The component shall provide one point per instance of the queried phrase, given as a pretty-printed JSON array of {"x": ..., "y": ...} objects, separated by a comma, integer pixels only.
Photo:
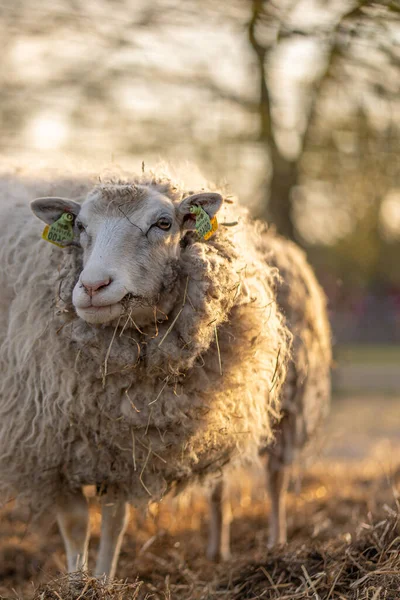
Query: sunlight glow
[
  {"x": 319, "y": 217},
  {"x": 47, "y": 131},
  {"x": 390, "y": 214}
]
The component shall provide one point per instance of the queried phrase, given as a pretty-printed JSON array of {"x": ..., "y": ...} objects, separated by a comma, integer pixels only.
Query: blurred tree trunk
[{"x": 277, "y": 206}]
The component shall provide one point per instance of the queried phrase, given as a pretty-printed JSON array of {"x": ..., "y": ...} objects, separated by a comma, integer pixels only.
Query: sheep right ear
[
  {"x": 210, "y": 202},
  {"x": 50, "y": 209}
]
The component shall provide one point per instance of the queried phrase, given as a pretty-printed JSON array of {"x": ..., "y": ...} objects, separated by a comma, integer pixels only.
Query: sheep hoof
[
  {"x": 217, "y": 555},
  {"x": 274, "y": 542}
]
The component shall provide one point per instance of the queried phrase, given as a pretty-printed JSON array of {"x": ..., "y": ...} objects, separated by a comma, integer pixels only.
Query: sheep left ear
[
  {"x": 211, "y": 202},
  {"x": 50, "y": 210}
]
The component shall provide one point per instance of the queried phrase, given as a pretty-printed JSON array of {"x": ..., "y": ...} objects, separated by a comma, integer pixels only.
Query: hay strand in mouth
[
  {"x": 133, "y": 450},
  {"x": 170, "y": 327},
  {"x": 142, "y": 471},
  {"x": 125, "y": 324},
  {"x": 105, "y": 364},
  {"x": 218, "y": 350},
  {"x": 148, "y": 421},
  {"x": 185, "y": 292},
  {"x": 177, "y": 316},
  {"x": 155, "y": 321},
  {"x": 160, "y": 392},
  {"x": 135, "y": 325},
  {"x": 273, "y": 380},
  {"x": 131, "y": 401},
  {"x": 152, "y": 451}
]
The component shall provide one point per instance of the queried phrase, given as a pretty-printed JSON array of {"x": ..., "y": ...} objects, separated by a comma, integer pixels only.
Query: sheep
[{"x": 142, "y": 355}]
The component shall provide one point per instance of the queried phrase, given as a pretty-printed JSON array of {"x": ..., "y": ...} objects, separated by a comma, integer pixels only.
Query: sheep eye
[
  {"x": 80, "y": 226},
  {"x": 164, "y": 224}
]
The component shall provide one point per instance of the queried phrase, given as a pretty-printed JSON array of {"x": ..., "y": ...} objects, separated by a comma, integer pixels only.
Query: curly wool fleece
[{"x": 98, "y": 405}]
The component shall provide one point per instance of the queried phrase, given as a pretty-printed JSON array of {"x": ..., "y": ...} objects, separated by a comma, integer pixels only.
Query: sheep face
[{"x": 130, "y": 236}]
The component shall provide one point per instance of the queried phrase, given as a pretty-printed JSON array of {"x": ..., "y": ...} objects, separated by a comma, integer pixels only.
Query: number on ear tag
[
  {"x": 205, "y": 226},
  {"x": 61, "y": 231}
]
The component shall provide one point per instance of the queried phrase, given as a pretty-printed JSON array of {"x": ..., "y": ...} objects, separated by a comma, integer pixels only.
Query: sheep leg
[
  {"x": 114, "y": 519},
  {"x": 73, "y": 521},
  {"x": 220, "y": 522},
  {"x": 278, "y": 480}
]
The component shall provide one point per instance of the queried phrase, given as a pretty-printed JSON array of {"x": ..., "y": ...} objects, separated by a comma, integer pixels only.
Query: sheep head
[{"x": 131, "y": 239}]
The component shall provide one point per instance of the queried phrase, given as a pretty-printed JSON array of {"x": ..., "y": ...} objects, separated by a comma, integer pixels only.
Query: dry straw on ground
[
  {"x": 368, "y": 568},
  {"x": 80, "y": 586},
  {"x": 345, "y": 545}
]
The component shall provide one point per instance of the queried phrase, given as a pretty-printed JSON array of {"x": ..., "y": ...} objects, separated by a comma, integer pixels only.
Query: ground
[{"x": 343, "y": 529}]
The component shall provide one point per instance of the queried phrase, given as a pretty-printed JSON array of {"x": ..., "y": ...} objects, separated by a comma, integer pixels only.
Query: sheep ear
[
  {"x": 211, "y": 202},
  {"x": 50, "y": 209}
]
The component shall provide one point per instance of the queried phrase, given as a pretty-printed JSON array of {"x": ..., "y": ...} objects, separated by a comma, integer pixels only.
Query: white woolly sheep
[{"x": 142, "y": 357}]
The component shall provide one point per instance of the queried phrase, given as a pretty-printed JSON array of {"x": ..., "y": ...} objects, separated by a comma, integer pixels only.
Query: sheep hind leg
[
  {"x": 220, "y": 522},
  {"x": 278, "y": 480},
  {"x": 73, "y": 521},
  {"x": 114, "y": 519}
]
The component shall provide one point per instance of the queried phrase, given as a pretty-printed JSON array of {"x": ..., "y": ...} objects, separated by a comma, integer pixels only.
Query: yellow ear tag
[
  {"x": 205, "y": 226},
  {"x": 61, "y": 231}
]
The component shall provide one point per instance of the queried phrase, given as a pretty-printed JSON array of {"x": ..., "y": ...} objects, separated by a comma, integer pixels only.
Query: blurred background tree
[{"x": 294, "y": 103}]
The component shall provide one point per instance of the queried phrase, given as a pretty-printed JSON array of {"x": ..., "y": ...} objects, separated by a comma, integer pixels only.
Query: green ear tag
[
  {"x": 203, "y": 221},
  {"x": 61, "y": 231}
]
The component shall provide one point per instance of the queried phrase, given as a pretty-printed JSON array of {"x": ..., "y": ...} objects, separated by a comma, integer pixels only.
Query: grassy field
[
  {"x": 343, "y": 527},
  {"x": 368, "y": 354},
  {"x": 366, "y": 369}
]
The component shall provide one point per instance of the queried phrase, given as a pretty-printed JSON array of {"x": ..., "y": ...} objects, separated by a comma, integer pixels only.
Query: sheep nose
[{"x": 95, "y": 286}]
